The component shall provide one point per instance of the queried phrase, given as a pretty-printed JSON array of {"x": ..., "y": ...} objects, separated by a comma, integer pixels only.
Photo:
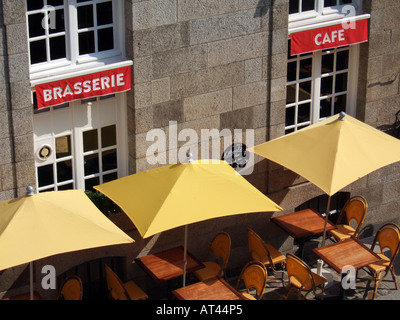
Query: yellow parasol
[
  {"x": 36, "y": 226},
  {"x": 180, "y": 194},
  {"x": 332, "y": 153}
]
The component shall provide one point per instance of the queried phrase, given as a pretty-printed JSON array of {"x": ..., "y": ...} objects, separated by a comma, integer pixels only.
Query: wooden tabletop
[
  {"x": 302, "y": 224},
  {"x": 349, "y": 252},
  {"x": 25, "y": 296},
  {"x": 211, "y": 289},
  {"x": 168, "y": 264}
]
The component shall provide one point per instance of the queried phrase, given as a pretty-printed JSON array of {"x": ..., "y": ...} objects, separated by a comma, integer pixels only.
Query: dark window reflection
[
  {"x": 91, "y": 164},
  {"x": 109, "y": 160},
  {"x": 45, "y": 175},
  {"x": 106, "y": 39},
  {"x": 64, "y": 171},
  {"x": 86, "y": 43}
]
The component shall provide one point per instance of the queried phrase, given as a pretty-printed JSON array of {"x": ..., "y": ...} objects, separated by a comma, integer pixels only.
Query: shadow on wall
[{"x": 262, "y": 8}]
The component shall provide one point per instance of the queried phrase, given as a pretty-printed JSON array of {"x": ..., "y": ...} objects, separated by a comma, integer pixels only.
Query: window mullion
[
  {"x": 316, "y": 85},
  {"x": 72, "y": 28}
]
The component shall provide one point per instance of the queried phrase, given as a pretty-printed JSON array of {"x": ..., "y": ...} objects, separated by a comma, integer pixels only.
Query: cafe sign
[
  {"x": 82, "y": 87},
  {"x": 329, "y": 37}
]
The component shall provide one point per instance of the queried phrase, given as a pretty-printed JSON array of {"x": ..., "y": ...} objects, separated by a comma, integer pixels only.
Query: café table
[
  {"x": 25, "y": 296},
  {"x": 210, "y": 289},
  {"x": 302, "y": 225},
  {"x": 168, "y": 264},
  {"x": 344, "y": 254}
]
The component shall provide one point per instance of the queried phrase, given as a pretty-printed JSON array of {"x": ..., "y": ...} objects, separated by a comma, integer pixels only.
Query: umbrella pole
[
  {"x": 326, "y": 220},
  {"x": 185, "y": 256},
  {"x": 31, "y": 279}
]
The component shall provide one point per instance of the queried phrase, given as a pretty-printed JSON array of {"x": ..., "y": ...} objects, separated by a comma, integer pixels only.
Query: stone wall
[
  {"x": 206, "y": 65},
  {"x": 17, "y": 169}
]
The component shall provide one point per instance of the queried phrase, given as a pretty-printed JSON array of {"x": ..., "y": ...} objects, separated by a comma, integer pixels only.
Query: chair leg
[
  {"x": 377, "y": 281},
  {"x": 290, "y": 287},
  {"x": 394, "y": 278}
]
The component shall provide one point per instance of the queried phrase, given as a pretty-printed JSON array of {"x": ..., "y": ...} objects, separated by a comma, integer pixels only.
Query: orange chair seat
[
  {"x": 380, "y": 265},
  {"x": 134, "y": 291},
  {"x": 307, "y": 285},
  {"x": 248, "y": 296},
  {"x": 342, "y": 232},
  {"x": 276, "y": 256},
  {"x": 211, "y": 270}
]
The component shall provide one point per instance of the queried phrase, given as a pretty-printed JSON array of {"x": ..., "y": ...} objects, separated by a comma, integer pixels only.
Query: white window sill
[{"x": 323, "y": 21}]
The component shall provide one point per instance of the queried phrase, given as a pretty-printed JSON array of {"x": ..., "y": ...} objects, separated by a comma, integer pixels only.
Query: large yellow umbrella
[
  {"x": 180, "y": 194},
  {"x": 40, "y": 225},
  {"x": 333, "y": 153}
]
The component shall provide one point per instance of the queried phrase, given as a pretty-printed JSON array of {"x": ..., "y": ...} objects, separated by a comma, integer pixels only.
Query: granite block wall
[{"x": 17, "y": 169}]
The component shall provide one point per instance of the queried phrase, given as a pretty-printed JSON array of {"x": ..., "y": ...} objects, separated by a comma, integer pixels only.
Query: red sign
[
  {"x": 329, "y": 37},
  {"x": 82, "y": 87}
]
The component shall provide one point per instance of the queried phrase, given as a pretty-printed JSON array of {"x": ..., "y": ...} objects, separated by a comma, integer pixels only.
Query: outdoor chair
[
  {"x": 123, "y": 291},
  {"x": 253, "y": 276},
  {"x": 387, "y": 237},
  {"x": 354, "y": 209},
  {"x": 267, "y": 255},
  {"x": 220, "y": 248},
  {"x": 71, "y": 289},
  {"x": 301, "y": 277}
]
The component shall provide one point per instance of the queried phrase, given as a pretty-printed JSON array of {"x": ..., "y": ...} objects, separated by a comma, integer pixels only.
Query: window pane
[
  {"x": 293, "y": 6},
  {"x": 327, "y": 63},
  {"x": 63, "y": 147},
  {"x": 35, "y": 25},
  {"x": 64, "y": 171},
  {"x": 325, "y": 109},
  {"x": 91, "y": 164},
  {"x": 38, "y": 51},
  {"x": 55, "y": 3},
  {"x": 346, "y": 1},
  {"x": 57, "y": 48},
  {"x": 90, "y": 140},
  {"x": 58, "y": 23},
  {"x": 305, "y": 91},
  {"x": 86, "y": 42},
  {"x": 34, "y": 4},
  {"x": 68, "y": 186},
  {"x": 108, "y": 136},
  {"x": 304, "y": 112},
  {"x": 104, "y": 13},
  {"x": 341, "y": 82},
  {"x": 289, "y": 121},
  {"x": 85, "y": 16},
  {"x": 307, "y": 5},
  {"x": 110, "y": 177},
  {"x": 90, "y": 183},
  {"x": 305, "y": 68},
  {"x": 45, "y": 175},
  {"x": 340, "y": 103},
  {"x": 342, "y": 62},
  {"x": 106, "y": 39},
  {"x": 109, "y": 159},
  {"x": 291, "y": 71},
  {"x": 329, "y": 3},
  {"x": 291, "y": 94},
  {"x": 326, "y": 85}
]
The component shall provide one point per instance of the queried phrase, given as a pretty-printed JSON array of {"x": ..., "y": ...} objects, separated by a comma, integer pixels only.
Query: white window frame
[
  {"x": 78, "y": 154},
  {"x": 317, "y": 75},
  {"x": 322, "y": 14},
  {"x": 74, "y": 62}
]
